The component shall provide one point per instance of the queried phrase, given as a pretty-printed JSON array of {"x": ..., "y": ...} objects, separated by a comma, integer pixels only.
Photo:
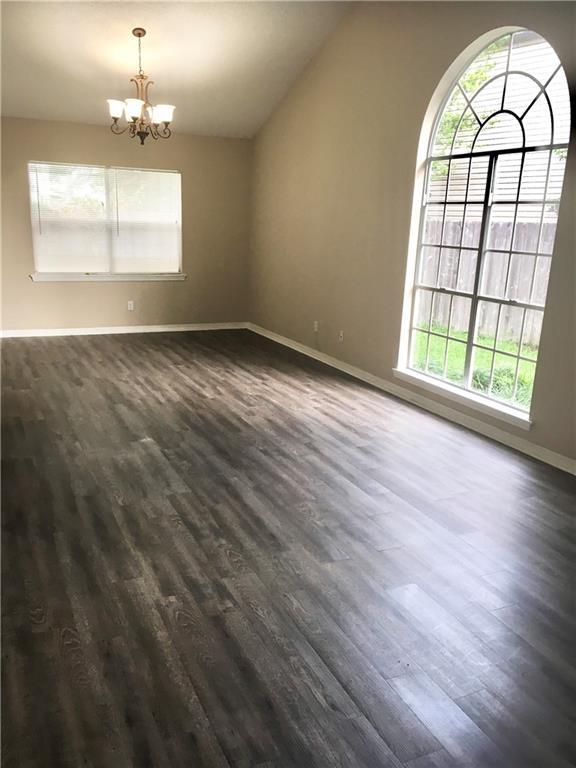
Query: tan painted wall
[
  {"x": 334, "y": 176},
  {"x": 215, "y": 213}
]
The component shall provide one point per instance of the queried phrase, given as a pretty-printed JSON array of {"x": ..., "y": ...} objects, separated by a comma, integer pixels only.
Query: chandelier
[{"x": 143, "y": 119}]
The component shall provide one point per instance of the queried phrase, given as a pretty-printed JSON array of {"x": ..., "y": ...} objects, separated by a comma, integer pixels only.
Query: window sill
[
  {"x": 469, "y": 399},
  {"x": 105, "y": 277}
]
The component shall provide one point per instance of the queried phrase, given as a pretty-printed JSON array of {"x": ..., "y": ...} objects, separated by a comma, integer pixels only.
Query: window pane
[
  {"x": 448, "y": 268},
  {"x": 422, "y": 309},
  {"x": 467, "y": 271},
  {"x": 503, "y": 377},
  {"x": 460, "y": 317},
  {"x": 533, "y": 186},
  {"x": 500, "y": 226},
  {"x": 458, "y": 181},
  {"x": 440, "y": 313},
  {"x": 436, "y": 355},
  {"x": 466, "y": 132},
  {"x": 520, "y": 277},
  {"x": 452, "y": 233},
  {"x": 419, "y": 343},
  {"x": 148, "y": 237},
  {"x": 490, "y": 63},
  {"x": 437, "y": 178},
  {"x": 556, "y": 176},
  {"x": 559, "y": 97},
  {"x": 548, "y": 228},
  {"x": 503, "y": 131},
  {"x": 69, "y": 217},
  {"x": 448, "y": 123},
  {"x": 507, "y": 177},
  {"x": 472, "y": 226},
  {"x": 486, "y": 323},
  {"x": 520, "y": 91},
  {"x": 488, "y": 99},
  {"x": 541, "y": 275},
  {"x": 525, "y": 384},
  {"x": 478, "y": 179},
  {"x": 481, "y": 367},
  {"x": 429, "y": 260},
  {"x": 531, "y": 53},
  {"x": 455, "y": 361},
  {"x": 433, "y": 224},
  {"x": 509, "y": 329},
  {"x": 494, "y": 273},
  {"x": 537, "y": 124},
  {"x": 531, "y": 333},
  {"x": 527, "y": 228}
]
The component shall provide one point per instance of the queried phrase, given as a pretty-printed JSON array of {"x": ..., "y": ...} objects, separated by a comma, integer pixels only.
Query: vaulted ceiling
[{"x": 224, "y": 65}]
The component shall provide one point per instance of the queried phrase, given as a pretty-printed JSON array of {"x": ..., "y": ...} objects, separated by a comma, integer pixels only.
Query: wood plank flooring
[{"x": 217, "y": 553}]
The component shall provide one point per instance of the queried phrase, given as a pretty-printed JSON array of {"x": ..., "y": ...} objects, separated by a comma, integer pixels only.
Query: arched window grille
[{"x": 494, "y": 176}]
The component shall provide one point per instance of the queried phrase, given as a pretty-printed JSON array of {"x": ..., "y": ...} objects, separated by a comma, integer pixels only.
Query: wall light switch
[{"x": 130, "y": 306}]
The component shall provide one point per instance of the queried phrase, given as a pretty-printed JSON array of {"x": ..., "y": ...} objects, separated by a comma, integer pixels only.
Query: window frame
[
  {"x": 109, "y": 276},
  {"x": 450, "y": 83}
]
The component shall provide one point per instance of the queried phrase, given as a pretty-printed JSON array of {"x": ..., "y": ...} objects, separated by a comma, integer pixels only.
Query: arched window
[{"x": 494, "y": 172}]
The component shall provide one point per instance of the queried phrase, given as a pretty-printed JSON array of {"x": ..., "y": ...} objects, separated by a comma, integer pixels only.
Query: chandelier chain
[{"x": 140, "y": 56}]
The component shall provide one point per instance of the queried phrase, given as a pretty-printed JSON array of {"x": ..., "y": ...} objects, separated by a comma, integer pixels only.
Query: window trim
[
  {"x": 108, "y": 277},
  {"x": 466, "y": 397},
  {"x": 425, "y": 156}
]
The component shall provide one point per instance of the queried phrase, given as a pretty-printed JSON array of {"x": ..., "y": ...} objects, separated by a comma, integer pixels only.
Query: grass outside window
[{"x": 493, "y": 363}]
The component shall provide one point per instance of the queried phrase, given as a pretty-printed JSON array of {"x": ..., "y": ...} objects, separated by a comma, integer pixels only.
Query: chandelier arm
[
  {"x": 140, "y": 84},
  {"x": 145, "y": 93},
  {"x": 115, "y": 128},
  {"x": 164, "y": 132}
]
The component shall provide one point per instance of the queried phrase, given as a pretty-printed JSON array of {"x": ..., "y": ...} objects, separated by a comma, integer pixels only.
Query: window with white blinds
[{"x": 98, "y": 220}]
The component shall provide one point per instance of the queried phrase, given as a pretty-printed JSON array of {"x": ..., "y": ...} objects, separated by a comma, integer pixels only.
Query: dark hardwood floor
[{"x": 219, "y": 553}]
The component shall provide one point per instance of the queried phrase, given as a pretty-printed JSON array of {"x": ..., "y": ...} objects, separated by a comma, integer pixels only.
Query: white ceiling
[{"x": 224, "y": 65}]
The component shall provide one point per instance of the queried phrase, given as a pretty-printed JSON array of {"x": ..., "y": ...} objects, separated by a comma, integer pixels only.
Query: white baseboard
[
  {"x": 506, "y": 438},
  {"x": 114, "y": 329}
]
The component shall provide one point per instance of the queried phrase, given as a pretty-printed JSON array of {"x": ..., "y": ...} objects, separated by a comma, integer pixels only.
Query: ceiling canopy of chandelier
[{"x": 143, "y": 118}]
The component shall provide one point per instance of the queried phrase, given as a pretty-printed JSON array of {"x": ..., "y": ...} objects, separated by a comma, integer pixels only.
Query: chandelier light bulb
[
  {"x": 134, "y": 108},
  {"x": 163, "y": 113},
  {"x": 116, "y": 108}
]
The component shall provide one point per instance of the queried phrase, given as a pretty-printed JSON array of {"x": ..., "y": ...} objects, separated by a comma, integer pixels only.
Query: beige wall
[
  {"x": 334, "y": 175},
  {"x": 215, "y": 214}
]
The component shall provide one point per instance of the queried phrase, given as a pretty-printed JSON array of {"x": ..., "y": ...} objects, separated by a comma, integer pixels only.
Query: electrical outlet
[
  {"x": 315, "y": 326},
  {"x": 341, "y": 336},
  {"x": 130, "y": 306}
]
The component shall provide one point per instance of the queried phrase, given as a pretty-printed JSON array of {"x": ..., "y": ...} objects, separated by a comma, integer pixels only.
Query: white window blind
[{"x": 94, "y": 219}]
